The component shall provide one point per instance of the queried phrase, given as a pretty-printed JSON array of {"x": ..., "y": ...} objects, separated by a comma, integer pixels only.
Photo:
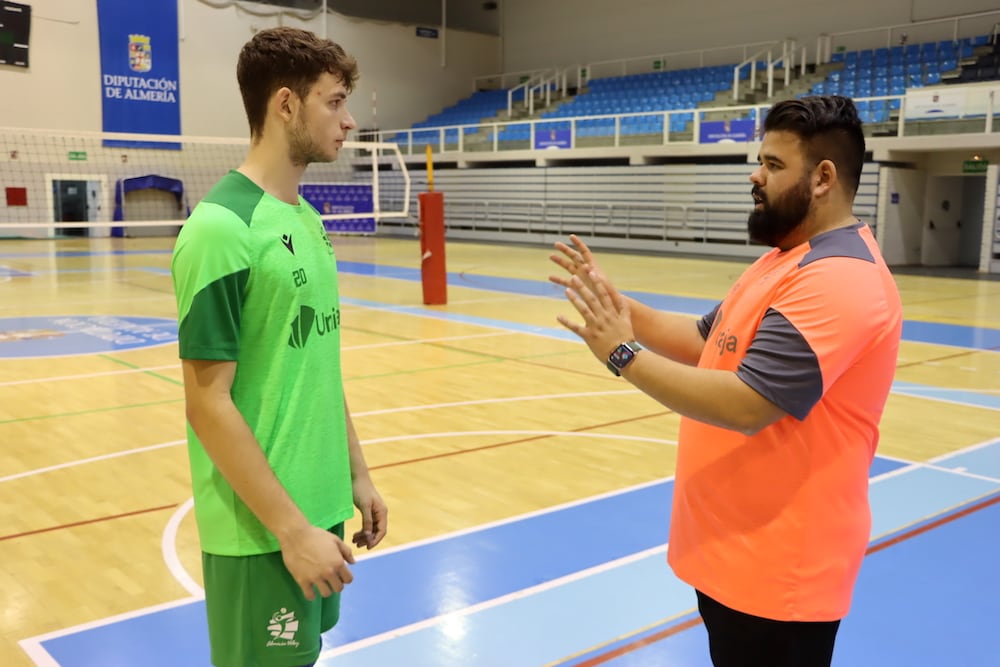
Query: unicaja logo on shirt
[
  {"x": 282, "y": 628},
  {"x": 308, "y": 320},
  {"x": 726, "y": 342}
]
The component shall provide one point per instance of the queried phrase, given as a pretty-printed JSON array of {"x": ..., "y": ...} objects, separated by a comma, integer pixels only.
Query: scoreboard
[{"x": 15, "y": 29}]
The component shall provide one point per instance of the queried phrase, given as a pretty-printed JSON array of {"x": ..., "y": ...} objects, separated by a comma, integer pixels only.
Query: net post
[{"x": 433, "y": 274}]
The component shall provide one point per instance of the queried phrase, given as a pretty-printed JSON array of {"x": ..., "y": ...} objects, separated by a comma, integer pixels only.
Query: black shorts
[{"x": 736, "y": 639}]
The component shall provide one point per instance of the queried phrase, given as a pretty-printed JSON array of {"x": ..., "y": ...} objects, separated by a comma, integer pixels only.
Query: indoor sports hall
[{"x": 529, "y": 489}]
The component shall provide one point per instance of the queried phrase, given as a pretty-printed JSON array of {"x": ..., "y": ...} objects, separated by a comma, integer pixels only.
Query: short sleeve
[
  {"x": 820, "y": 324},
  {"x": 210, "y": 269}
]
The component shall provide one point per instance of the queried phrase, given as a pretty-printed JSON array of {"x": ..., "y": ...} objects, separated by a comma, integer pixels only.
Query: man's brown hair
[{"x": 287, "y": 57}]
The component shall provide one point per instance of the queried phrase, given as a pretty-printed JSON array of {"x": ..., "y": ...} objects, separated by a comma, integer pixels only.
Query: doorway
[
  {"x": 70, "y": 204},
  {"x": 953, "y": 221},
  {"x": 79, "y": 198}
]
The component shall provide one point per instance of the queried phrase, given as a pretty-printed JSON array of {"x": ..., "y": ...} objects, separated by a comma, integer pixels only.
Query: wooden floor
[{"x": 471, "y": 412}]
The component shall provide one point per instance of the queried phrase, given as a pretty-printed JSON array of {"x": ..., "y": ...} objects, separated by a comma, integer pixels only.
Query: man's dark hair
[
  {"x": 279, "y": 57},
  {"x": 830, "y": 129}
]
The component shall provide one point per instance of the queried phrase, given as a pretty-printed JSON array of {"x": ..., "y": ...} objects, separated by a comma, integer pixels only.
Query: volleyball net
[{"x": 55, "y": 184}]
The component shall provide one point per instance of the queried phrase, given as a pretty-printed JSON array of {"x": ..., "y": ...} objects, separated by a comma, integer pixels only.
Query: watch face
[{"x": 622, "y": 355}]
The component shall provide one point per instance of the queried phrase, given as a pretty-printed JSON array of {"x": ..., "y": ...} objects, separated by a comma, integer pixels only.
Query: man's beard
[
  {"x": 302, "y": 148},
  {"x": 775, "y": 220}
]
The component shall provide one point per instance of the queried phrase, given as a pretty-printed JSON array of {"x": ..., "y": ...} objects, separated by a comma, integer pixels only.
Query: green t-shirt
[{"x": 256, "y": 283}]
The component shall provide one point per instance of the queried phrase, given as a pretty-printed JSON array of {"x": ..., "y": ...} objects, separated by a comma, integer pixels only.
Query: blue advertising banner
[
  {"x": 140, "y": 89},
  {"x": 341, "y": 198},
  {"x": 714, "y": 131},
  {"x": 553, "y": 139}
]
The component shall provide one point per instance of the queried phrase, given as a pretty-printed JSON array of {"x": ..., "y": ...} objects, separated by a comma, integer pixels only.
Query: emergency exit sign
[{"x": 975, "y": 166}]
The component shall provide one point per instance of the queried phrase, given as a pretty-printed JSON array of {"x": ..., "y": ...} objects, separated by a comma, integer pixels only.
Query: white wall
[
  {"x": 405, "y": 71},
  {"x": 989, "y": 257},
  {"x": 901, "y": 230},
  {"x": 61, "y": 89},
  {"x": 542, "y": 33}
]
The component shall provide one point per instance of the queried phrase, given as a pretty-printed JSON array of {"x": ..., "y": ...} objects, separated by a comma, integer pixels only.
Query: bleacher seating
[
  {"x": 468, "y": 111},
  {"x": 890, "y": 71},
  {"x": 868, "y": 73},
  {"x": 635, "y": 93}
]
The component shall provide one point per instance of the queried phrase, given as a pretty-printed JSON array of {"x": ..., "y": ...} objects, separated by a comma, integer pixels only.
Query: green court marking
[
  {"x": 133, "y": 366},
  {"x": 419, "y": 370},
  {"x": 90, "y": 412},
  {"x": 443, "y": 345}
]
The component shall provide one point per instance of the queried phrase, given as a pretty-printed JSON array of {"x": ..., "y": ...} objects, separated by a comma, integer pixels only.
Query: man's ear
[
  {"x": 824, "y": 178},
  {"x": 284, "y": 103}
]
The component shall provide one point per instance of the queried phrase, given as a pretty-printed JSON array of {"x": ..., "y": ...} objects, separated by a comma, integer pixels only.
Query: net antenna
[{"x": 377, "y": 188}]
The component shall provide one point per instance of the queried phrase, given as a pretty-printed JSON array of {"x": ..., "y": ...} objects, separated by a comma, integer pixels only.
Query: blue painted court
[
  {"x": 554, "y": 588},
  {"x": 587, "y": 583}
]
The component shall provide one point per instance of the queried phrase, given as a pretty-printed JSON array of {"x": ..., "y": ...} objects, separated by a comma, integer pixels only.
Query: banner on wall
[
  {"x": 935, "y": 103},
  {"x": 553, "y": 139},
  {"x": 714, "y": 131},
  {"x": 341, "y": 198},
  {"x": 140, "y": 88}
]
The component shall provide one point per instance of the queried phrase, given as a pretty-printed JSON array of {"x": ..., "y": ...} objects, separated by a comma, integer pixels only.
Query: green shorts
[{"x": 257, "y": 615}]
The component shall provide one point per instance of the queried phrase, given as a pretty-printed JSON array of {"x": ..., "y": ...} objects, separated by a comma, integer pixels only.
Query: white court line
[
  {"x": 459, "y": 434},
  {"x": 516, "y": 297},
  {"x": 168, "y": 545},
  {"x": 85, "y": 376},
  {"x": 93, "y": 459},
  {"x": 960, "y": 472},
  {"x": 36, "y": 641},
  {"x": 26, "y": 357},
  {"x": 971, "y": 448},
  {"x": 33, "y": 645},
  {"x": 55, "y": 634},
  {"x": 958, "y": 390},
  {"x": 184, "y": 578},
  {"x": 90, "y": 302},
  {"x": 38, "y": 655},
  {"x": 421, "y": 341},
  {"x": 486, "y": 401},
  {"x": 576, "y": 576},
  {"x": 411, "y": 408},
  {"x": 938, "y": 394},
  {"x": 489, "y": 604}
]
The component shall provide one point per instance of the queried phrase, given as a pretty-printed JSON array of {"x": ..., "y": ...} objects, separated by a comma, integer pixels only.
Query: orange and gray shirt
[{"x": 776, "y": 524}]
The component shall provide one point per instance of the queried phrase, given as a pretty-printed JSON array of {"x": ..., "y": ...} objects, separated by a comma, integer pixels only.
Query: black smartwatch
[{"x": 622, "y": 356}]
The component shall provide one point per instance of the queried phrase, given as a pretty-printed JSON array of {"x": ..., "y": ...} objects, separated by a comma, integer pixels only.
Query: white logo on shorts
[{"x": 283, "y": 627}]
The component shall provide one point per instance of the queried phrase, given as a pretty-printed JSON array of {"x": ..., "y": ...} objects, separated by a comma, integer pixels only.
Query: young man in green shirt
[{"x": 276, "y": 464}]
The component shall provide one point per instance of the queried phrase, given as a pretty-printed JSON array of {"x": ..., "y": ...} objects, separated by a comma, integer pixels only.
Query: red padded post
[{"x": 433, "y": 274}]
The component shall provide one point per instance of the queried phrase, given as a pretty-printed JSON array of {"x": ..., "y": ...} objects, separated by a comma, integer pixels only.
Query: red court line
[
  {"x": 677, "y": 629},
  {"x": 645, "y": 641},
  {"x": 386, "y": 465},
  {"x": 919, "y": 530},
  {"x": 519, "y": 441},
  {"x": 88, "y": 521}
]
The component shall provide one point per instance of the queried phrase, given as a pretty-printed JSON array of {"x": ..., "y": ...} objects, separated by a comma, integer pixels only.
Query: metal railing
[
  {"x": 982, "y": 104},
  {"x": 539, "y": 83},
  {"x": 669, "y": 221},
  {"x": 787, "y": 60},
  {"x": 722, "y": 55},
  {"x": 894, "y": 33}
]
